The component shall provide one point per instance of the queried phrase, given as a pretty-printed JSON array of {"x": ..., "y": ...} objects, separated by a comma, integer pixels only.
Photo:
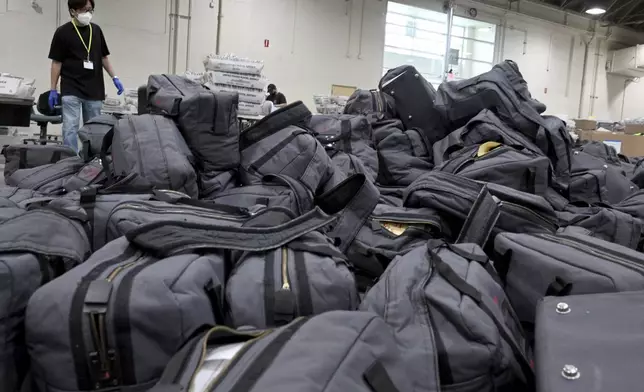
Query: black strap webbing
[
  {"x": 105, "y": 148},
  {"x": 465, "y": 288},
  {"x": 55, "y": 157},
  {"x": 45, "y": 274},
  {"x": 305, "y": 302},
  {"x": 215, "y": 297},
  {"x": 269, "y": 287},
  {"x": 378, "y": 379},
  {"x": 255, "y": 166},
  {"x": 481, "y": 220},
  {"x": 166, "y": 238},
  {"x": 22, "y": 164},
  {"x": 559, "y": 288},
  {"x": 345, "y": 131},
  {"x": 88, "y": 203},
  {"x": 263, "y": 361},
  {"x": 354, "y": 199}
]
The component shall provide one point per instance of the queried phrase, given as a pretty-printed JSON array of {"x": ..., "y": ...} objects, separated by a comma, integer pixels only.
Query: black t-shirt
[
  {"x": 67, "y": 48},
  {"x": 277, "y": 99}
]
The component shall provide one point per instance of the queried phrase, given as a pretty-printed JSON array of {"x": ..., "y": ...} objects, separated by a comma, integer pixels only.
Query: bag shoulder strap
[
  {"x": 353, "y": 200},
  {"x": 166, "y": 238},
  {"x": 481, "y": 219},
  {"x": 519, "y": 350}
]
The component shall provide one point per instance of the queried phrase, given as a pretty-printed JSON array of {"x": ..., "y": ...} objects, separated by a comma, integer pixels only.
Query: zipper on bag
[
  {"x": 398, "y": 225},
  {"x": 598, "y": 251},
  {"x": 285, "y": 305},
  {"x": 286, "y": 284}
]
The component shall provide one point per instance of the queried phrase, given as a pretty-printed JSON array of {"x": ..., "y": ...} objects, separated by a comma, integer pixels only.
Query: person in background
[
  {"x": 275, "y": 96},
  {"x": 78, "y": 56}
]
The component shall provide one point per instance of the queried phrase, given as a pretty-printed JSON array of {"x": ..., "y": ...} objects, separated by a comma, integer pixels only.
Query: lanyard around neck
[{"x": 88, "y": 47}]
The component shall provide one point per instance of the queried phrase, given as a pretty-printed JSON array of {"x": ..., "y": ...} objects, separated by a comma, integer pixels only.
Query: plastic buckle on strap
[{"x": 98, "y": 296}]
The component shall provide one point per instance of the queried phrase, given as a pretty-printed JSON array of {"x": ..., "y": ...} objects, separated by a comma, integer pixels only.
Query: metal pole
[
  {"x": 175, "y": 37},
  {"x": 189, "y": 34},
  {"x": 449, "y": 8},
  {"x": 220, "y": 6},
  {"x": 582, "y": 93}
]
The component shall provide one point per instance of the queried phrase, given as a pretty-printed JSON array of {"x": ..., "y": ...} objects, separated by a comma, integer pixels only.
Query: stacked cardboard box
[{"x": 629, "y": 145}]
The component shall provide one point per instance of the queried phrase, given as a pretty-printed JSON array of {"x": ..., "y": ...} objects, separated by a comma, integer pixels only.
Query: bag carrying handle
[
  {"x": 108, "y": 139},
  {"x": 174, "y": 197},
  {"x": 168, "y": 238},
  {"x": 481, "y": 219},
  {"x": 353, "y": 200}
]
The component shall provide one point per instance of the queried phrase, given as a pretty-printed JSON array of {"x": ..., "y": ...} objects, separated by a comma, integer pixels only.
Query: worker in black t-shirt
[
  {"x": 275, "y": 96},
  {"x": 78, "y": 56}
]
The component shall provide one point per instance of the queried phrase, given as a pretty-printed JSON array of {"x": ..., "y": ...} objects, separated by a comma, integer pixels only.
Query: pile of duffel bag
[{"x": 451, "y": 239}]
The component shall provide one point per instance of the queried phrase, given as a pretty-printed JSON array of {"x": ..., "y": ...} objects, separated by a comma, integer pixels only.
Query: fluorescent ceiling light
[{"x": 595, "y": 11}]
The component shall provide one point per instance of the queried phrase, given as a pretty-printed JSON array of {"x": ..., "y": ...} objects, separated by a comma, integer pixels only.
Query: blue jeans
[{"x": 73, "y": 107}]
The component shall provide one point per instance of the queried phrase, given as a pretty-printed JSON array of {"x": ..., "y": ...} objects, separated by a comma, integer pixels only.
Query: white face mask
[{"x": 84, "y": 18}]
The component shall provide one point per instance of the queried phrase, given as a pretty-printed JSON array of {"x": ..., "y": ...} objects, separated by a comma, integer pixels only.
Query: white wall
[
  {"x": 310, "y": 47},
  {"x": 317, "y": 43}
]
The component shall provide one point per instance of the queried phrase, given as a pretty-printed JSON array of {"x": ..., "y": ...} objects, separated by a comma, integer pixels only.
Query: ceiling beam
[
  {"x": 621, "y": 7},
  {"x": 635, "y": 4},
  {"x": 567, "y": 3}
]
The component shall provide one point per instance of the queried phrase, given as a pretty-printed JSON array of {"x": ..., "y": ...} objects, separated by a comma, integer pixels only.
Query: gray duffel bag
[
  {"x": 17, "y": 195},
  {"x": 372, "y": 234},
  {"x": 607, "y": 224},
  {"x": 92, "y": 206},
  {"x": 533, "y": 266},
  {"x": 167, "y": 206},
  {"x": 47, "y": 179},
  {"x": 511, "y": 166},
  {"x": 36, "y": 247},
  {"x": 27, "y": 156},
  {"x": 207, "y": 120},
  {"x": 152, "y": 147},
  {"x": 92, "y": 133},
  {"x": 308, "y": 276},
  {"x": 451, "y": 318},
  {"x": 351, "y": 135},
  {"x": 115, "y": 321},
  {"x": 281, "y": 144},
  {"x": 336, "y": 351}
]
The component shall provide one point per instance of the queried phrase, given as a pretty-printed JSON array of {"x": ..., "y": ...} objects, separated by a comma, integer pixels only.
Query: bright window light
[{"x": 595, "y": 11}]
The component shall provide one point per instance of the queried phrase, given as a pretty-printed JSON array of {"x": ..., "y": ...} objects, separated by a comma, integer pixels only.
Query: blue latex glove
[
  {"x": 53, "y": 99},
  {"x": 118, "y": 85}
]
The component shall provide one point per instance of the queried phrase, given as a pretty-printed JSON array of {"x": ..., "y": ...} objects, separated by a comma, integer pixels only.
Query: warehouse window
[{"x": 417, "y": 37}]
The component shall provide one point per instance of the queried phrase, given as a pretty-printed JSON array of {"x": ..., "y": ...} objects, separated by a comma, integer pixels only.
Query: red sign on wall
[{"x": 267, "y": 43}]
